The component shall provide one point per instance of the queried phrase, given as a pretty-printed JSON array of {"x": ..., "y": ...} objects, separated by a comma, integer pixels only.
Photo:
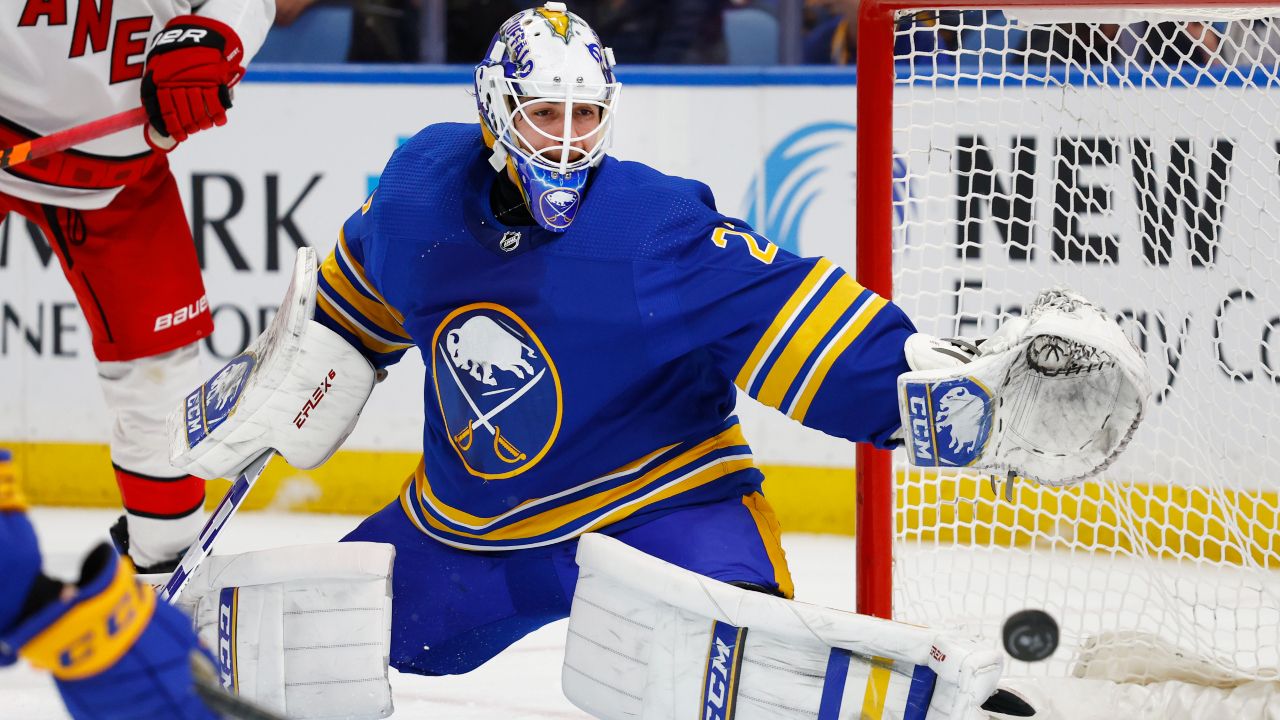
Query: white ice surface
[{"x": 522, "y": 683}]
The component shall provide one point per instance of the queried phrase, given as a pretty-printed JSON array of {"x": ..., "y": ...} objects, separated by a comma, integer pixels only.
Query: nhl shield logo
[
  {"x": 498, "y": 389},
  {"x": 950, "y": 421},
  {"x": 559, "y": 205}
]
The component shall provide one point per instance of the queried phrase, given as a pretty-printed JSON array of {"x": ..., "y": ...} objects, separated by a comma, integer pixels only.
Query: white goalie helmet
[{"x": 542, "y": 55}]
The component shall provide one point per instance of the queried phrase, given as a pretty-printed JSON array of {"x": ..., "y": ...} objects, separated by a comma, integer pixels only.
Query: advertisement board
[
  {"x": 303, "y": 150},
  {"x": 299, "y": 156}
]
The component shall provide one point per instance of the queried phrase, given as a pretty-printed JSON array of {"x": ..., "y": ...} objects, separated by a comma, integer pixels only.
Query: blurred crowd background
[{"x": 750, "y": 32}]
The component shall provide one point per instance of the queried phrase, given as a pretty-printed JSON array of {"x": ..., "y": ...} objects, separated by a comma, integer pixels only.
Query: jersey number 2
[{"x": 760, "y": 249}]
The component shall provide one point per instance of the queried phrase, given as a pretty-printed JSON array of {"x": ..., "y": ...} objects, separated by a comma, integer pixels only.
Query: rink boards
[{"x": 302, "y": 152}]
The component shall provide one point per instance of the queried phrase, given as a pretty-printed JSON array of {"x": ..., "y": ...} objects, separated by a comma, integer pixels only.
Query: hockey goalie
[
  {"x": 645, "y": 631},
  {"x": 586, "y": 325}
]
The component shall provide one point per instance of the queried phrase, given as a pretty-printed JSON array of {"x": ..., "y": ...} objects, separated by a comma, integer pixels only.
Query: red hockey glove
[{"x": 191, "y": 67}]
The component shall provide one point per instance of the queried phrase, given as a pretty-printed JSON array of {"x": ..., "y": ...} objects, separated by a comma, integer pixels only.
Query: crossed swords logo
[
  {"x": 561, "y": 202},
  {"x": 502, "y": 447}
]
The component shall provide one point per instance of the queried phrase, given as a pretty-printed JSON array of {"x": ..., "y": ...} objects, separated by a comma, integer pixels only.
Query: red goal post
[{"x": 1223, "y": 522}]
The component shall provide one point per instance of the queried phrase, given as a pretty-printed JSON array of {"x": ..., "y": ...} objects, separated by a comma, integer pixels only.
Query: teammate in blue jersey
[
  {"x": 584, "y": 322},
  {"x": 114, "y": 651}
]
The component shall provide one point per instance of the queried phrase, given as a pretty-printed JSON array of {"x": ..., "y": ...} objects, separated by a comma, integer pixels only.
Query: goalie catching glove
[
  {"x": 1053, "y": 396},
  {"x": 298, "y": 390}
]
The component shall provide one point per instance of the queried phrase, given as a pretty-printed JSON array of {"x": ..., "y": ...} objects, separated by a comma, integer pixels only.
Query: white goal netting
[{"x": 1135, "y": 158}]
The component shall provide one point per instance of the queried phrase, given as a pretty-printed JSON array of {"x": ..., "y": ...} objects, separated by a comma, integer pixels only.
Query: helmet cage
[
  {"x": 546, "y": 56},
  {"x": 562, "y": 154}
]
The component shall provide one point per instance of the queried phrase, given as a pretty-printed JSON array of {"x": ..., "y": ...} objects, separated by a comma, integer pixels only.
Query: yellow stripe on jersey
[
  {"x": 386, "y": 318},
  {"x": 713, "y": 471},
  {"x": 557, "y": 516},
  {"x": 346, "y": 321},
  {"x": 11, "y": 497},
  {"x": 95, "y": 633},
  {"x": 771, "y": 535},
  {"x": 782, "y": 375},
  {"x": 479, "y": 523},
  {"x": 785, "y": 317},
  {"x": 362, "y": 276},
  {"x": 856, "y": 324},
  {"x": 710, "y": 473}
]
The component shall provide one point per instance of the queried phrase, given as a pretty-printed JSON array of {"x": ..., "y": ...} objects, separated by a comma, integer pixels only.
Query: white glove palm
[{"x": 1053, "y": 396}]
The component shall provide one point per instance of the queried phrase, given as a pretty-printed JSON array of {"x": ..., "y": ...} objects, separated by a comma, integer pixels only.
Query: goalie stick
[
  {"x": 63, "y": 139},
  {"x": 227, "y": 507}
]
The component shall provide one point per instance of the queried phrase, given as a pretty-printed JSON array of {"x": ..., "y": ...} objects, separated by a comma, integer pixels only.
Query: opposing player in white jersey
[{"x": 110, "y": 209}]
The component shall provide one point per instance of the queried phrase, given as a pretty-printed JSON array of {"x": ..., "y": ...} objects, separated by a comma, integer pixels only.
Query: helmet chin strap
[{"x": 499, "y": 157}]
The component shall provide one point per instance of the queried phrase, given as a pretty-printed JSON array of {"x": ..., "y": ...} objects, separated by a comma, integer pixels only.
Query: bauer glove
[{"x": 191, "y": 67}]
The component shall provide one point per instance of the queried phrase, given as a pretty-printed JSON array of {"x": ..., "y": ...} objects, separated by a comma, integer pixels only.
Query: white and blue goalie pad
[
  {"x": 298, "y": 389},
  {"x": 304, "y": 631},
  {"x": 650, "y": 640},
  {"x": 1053, "y": 396}
]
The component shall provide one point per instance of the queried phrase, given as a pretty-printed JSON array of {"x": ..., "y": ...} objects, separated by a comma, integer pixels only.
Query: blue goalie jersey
[{"x": 586, "y": 378}]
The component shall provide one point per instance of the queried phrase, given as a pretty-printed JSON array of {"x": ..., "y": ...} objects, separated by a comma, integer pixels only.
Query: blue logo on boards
[
  {"x": 498, "y": 389},
  {"x": 724, "y": 665},
  {"x": 950, "y": 421},
  {"x": 212, "y": 403},
  {"x": 813, "y": 161}
]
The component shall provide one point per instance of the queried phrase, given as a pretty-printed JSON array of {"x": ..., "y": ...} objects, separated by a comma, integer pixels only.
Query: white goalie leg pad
[
  {"x": 1054, "y": 396},
  {"x": 298, "y": 389},
  {"x": 304, "y": 631},
  {"x": 653, "y": 641}
]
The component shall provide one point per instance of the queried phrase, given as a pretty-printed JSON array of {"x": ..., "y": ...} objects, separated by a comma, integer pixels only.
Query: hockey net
[{"x": 1132, "y": 155}]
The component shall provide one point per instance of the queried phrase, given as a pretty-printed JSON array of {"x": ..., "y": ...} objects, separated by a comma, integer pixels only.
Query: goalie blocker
[
  {"x": 1053, "y": 396},
  {"x": 298, "y": 390},
  {"x": 650, "y": 640}
]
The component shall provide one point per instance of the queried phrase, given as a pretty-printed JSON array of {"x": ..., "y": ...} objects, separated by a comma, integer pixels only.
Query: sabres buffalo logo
[
  {"x": 209, "y": 405},
  {"x": 559, "y": 206},
  {"x": 498, "y": 389},
  {"x": 950, "y": 421}
]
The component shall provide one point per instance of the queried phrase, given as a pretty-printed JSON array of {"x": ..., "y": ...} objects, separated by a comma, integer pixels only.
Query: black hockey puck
[{"x": 1030, "y": 635}]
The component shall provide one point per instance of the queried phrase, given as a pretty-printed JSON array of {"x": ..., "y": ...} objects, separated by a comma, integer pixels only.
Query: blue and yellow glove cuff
[{"x": 83, "y": 635}]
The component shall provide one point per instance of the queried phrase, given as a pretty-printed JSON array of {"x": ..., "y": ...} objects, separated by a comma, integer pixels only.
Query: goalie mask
[{"x": 545, "y": 81}]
